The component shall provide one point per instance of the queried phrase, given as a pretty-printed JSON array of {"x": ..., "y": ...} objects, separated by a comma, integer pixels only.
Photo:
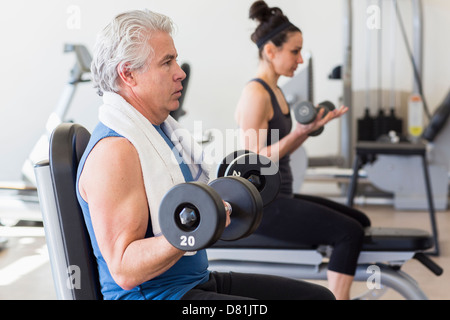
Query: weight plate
[
  {"x": 222, "y": 166},
  {"x": 328, "y": 105},
  {"x": 259, "y": 205},
  {"x": 304, "y": 112},
  {"x": 262, "y": 167},
  {"x": 317, "y": 132},
  {"x": 207, "y": 205},
  {"x": 246, "y": 206}
]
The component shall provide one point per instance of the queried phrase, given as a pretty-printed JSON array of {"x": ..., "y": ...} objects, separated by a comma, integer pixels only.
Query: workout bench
[
  {"x": 74, "y": 267},
  {"x": 386, "y": 248}
]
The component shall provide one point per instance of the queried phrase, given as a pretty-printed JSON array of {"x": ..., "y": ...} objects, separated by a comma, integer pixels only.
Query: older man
[{"x": 126, "y": 170}]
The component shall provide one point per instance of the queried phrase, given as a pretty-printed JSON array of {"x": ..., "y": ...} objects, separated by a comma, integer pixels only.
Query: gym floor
[{"x": 25, "y": 271}]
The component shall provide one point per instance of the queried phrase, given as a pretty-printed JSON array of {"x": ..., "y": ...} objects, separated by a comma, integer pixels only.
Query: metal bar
[
  {"x": 426, "y": 176},
  {"x": 417, "y": 40},
  {"x": 52, "y": 230},
  {"x": 354, "y": 181},
  {"x": 392, "y": 278},
  {"x": 346, "y": 143}
]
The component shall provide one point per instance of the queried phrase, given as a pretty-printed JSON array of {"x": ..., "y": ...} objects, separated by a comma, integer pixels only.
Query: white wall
[{"x": 213, "y": 36}]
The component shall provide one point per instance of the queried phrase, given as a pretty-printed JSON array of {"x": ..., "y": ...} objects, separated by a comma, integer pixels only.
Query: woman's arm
[{"x": 253, "y": 113}]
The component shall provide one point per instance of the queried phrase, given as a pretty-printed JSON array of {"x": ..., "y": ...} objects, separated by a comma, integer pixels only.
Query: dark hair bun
[
  {"x": 269, "y": 20},
  {"x": 261, "y": 12}
]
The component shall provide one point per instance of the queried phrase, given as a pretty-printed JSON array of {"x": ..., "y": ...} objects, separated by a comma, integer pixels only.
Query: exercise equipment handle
[{"x": 427, "y": 262}]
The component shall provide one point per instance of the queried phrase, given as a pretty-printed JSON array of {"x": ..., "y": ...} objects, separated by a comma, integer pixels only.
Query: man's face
[{"x": 159, "y": 88}]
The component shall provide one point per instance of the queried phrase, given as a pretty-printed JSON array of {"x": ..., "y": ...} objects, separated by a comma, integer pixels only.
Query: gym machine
[
  {"x": 384, "y": 127},
  {"x": 26, "y": 188},
  {"x": 408, "y": 190},
  {"x": 78, "y": 74},
  {"x": 21, "y": 199}
]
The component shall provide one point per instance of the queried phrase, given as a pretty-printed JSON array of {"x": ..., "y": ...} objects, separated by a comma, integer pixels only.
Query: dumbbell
[
  {"x": 259, "y": 170},
  {"x": 223, "y": 165},
  {"x": 192, "y": 215},
  {"x": 305, "y": 113}
]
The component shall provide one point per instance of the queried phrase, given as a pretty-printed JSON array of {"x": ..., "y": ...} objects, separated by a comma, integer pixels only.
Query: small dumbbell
[
  {"x": 305, "y": 113},
  {"x": 259, "y": 170},
  {"x": 192, "y": 215}
]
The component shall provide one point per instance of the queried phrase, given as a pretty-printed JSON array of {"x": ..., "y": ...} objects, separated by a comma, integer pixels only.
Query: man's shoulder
[{"x": 112, "y": 147}]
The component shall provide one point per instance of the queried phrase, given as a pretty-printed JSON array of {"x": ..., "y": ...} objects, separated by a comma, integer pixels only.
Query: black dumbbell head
[
  {"x": 222, "y": 166},
  {"x": 316, "y": 132},
  {"x": 246, "y": 204},
  {"x": 304, "y": 112},
  {"x": 261, "y": 171},
  {"x": 329, "y": 106},
  {"x": 192, "y": 216}
]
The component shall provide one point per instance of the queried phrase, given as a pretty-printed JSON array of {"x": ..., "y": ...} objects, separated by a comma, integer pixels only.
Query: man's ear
[{"x": 127, "y": 76}]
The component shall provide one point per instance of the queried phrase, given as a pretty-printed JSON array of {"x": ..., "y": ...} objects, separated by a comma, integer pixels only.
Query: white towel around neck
[{"x": 160, "y": 168}]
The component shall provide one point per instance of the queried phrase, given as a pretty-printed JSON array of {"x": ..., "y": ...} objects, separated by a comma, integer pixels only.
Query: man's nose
[{"x": 180, "y": 75}]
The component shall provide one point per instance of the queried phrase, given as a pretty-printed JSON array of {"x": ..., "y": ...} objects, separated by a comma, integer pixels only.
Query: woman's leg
[
  {"x": 340, "y": 284},
  {"x": 300, "y": 221},
  {"x": 360, "y": 216}
]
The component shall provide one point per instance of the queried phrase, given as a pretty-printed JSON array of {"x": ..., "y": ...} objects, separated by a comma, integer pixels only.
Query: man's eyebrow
[{"x": 168, "y": 57}]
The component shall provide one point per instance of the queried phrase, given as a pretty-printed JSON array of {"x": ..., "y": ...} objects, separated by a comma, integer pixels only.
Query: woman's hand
[{"x": 305, "y": 129}]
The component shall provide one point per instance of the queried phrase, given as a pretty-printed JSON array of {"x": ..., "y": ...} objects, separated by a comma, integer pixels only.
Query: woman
[{"x": 262, "y": 106}]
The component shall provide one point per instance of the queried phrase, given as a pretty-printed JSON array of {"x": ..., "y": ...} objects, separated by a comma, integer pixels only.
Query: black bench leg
[
  {"x": 353, "y": 182},
  {"x": 430, "y": 206}
]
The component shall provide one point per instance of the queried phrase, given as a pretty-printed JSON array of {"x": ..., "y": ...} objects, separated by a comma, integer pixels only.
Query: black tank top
[{"x": 282, "y": 123}]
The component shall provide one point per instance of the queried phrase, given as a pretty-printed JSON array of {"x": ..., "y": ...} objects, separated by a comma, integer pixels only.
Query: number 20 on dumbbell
[{"x": 192, "y": 215}]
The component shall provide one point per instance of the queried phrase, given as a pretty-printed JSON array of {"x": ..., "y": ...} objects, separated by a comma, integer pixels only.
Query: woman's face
[{"x": 287, "y": 57}]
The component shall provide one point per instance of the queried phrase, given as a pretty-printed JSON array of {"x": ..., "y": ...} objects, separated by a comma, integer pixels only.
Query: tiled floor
[{"x": 25, "y": 272}]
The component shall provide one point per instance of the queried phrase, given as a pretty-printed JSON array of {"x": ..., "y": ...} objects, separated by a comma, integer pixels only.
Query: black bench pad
[
  {"x": 397, "y": 239},
  {"x": 376, "y": 239}
]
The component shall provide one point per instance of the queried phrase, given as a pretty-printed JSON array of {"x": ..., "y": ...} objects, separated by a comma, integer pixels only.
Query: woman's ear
[
  {"x": 269, "y": 50},
  {"x": 127, "y": 76}
]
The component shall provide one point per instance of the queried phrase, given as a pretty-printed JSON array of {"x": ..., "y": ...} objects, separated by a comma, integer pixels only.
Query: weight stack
[
  {"x": 395, "y": 124},
  {"x": 381, "y": 125},
  {"x": 366, "y": 127}
]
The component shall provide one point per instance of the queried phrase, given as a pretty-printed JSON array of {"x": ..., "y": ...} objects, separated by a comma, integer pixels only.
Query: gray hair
[{"x": 125, "y": 41}]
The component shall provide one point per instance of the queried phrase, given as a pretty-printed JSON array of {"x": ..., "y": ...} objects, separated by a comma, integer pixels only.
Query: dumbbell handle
[
  {"x": 188, "y": 216},
  {"x": 228, "y": 207}
]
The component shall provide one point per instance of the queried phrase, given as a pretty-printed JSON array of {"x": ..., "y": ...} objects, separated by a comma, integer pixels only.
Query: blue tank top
[{"x": 188, "y": 272}]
